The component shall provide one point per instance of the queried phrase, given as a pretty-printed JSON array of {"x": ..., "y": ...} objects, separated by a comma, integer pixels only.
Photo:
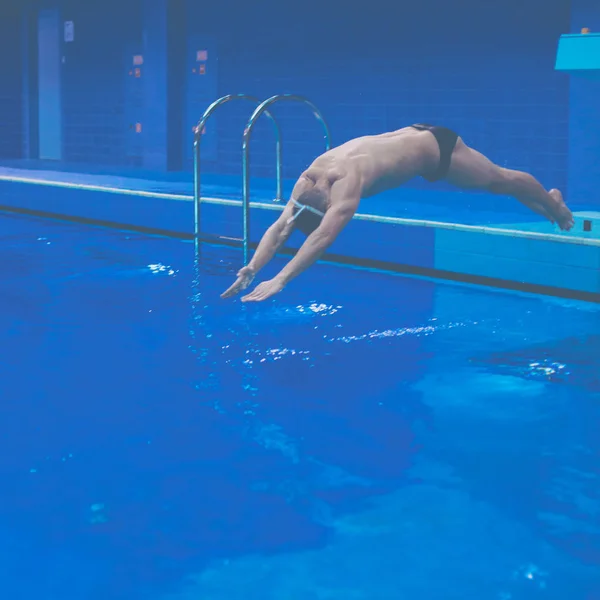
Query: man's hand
[
  {"x": 245, "y": 278},
  {"x": 265, "y": 290}
]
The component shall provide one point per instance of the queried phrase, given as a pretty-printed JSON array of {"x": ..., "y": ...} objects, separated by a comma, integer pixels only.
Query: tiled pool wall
[{"x": 562, "y": 265}]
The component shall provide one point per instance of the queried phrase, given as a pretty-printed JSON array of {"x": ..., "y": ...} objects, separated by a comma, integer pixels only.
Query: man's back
[{"x": 382, "y": 161}]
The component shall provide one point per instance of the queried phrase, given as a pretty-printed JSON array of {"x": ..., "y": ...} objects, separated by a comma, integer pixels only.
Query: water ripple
[
  {"x": 318, "y": 308},
  {"x": 422, "y": 330},
  {"x": 160, "y": 268}
]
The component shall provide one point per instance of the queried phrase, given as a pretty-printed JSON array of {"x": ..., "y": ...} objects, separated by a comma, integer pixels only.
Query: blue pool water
[{"x": 362, "y": 436}]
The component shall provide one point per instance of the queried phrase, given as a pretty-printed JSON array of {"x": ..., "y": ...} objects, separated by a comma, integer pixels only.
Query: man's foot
[{"x": 561, "y": 212}]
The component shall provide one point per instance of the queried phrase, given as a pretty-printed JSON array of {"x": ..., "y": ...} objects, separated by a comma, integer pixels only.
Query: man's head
[
  {"x": 306, "y": 220},
  {"x": 315, "y": 197}
]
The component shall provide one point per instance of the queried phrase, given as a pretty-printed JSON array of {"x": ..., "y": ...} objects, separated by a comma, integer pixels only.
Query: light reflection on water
[
  {"x": 279, "y": 352},
  {"x": 392, "y": 333},
  {"x": 320, "y": 309},
  {"x": 547, "y": 368}
]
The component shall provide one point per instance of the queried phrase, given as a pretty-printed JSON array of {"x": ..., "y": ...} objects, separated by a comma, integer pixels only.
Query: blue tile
[
  {"x": 393, "y": 243},
  {"x": 574, "y": 255},
  {"x": 514, "y": 110},
  {"x": 463, "y": 262}
]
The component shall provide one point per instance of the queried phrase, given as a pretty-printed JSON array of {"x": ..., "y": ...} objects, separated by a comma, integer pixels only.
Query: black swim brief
[
  {"x": 305, "y": 217},
  {"x": 446, "y": 139}
]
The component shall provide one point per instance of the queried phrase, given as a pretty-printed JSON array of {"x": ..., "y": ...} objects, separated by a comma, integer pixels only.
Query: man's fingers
[
  {"x": 234, "y": 289},
  {"x": 258, "y": 295},
  {"x": 255, "y": 295}
]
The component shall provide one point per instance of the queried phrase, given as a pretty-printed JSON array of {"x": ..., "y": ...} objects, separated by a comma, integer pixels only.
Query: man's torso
[{"x": 380, "y": 162}]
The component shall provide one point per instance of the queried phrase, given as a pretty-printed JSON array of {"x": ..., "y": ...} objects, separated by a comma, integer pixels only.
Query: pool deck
[{"x": 470, "y": 237}]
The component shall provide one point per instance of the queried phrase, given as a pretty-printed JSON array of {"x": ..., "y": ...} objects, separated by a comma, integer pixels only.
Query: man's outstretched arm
[
  {"x": 271, "y": 241},
  {"x": 344, "y": 202}
]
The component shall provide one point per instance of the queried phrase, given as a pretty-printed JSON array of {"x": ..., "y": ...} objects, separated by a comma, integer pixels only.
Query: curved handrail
[
  {"x": 246, "y": 152},
  {"x": 198, "y": 137}
]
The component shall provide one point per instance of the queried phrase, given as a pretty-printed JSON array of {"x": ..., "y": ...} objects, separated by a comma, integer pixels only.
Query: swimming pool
[{"x": 363, "y": 436}]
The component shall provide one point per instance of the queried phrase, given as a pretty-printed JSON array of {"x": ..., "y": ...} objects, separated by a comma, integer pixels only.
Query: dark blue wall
[
  {"x": 11, "y": 90},
  {"x": 584, "y": 118},
  {"x": 489, "y": 73},
  {"x": 96, "y": 127}
]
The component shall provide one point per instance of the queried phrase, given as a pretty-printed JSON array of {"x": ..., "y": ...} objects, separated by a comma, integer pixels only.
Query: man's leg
[{"x": 470, "y": 169}]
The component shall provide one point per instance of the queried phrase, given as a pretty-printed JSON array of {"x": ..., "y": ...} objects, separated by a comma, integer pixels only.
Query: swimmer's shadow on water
[{"x": 574, "y": 361}]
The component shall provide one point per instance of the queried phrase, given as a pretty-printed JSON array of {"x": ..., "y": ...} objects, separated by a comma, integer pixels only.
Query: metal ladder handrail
[
  {"x": 262, "y": 108},
  {"x": 198, "y": 137}
]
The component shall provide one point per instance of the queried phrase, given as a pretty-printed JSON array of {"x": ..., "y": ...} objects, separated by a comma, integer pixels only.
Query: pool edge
[{"x": 530, "y": 262}]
